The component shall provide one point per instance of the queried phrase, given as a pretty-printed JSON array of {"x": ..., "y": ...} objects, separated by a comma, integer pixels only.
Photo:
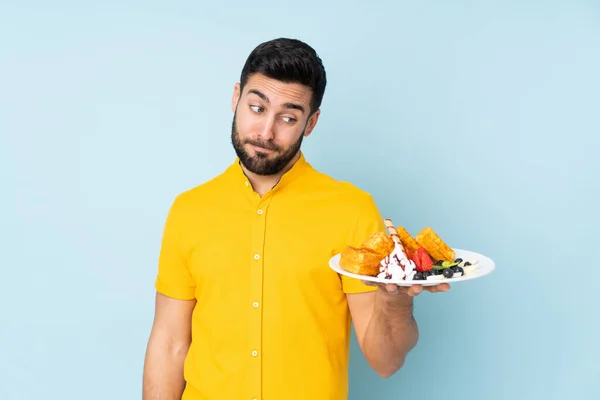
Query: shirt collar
[{"x": 291, "y": 175}]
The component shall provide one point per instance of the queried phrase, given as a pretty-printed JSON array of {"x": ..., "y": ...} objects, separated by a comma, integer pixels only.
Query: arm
[
  {"x": 385, "y": 328},
  {"x": 167, "y": 348}
]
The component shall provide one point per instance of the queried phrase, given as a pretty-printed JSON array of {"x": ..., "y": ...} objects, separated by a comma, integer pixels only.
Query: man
[{"x": 247, "y": 306}]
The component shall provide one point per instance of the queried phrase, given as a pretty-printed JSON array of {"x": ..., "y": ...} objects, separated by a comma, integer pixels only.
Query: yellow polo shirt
[{"x": 271, "y": 320}]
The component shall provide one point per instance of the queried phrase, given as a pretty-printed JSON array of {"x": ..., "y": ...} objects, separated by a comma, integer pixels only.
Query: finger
[
  {"x": 392, "y": 288},
  {"x": 443, "y": 287},
  {"x": 415, "y": 290}
]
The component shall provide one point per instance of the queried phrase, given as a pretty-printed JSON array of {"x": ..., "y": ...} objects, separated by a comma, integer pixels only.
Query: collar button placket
[{"x": 256, "y": 302}]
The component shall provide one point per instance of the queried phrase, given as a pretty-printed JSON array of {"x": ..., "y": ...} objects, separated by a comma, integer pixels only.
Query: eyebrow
[{"x": 292, "y": 106}]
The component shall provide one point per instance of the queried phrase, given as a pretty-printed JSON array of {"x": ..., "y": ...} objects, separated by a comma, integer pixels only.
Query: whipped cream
[{"x": 397, "y": 266}]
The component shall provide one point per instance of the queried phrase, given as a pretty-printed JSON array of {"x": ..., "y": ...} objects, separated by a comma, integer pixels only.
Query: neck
[{"x": 263, "y": 183}]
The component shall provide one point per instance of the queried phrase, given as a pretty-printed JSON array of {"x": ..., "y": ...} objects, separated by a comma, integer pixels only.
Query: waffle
[
  {"x": 379, "y": 242},
  {"x": 409, "y": 244},
  {"x": 434, "y": 245},
  {"x": 365, "y": 259}
]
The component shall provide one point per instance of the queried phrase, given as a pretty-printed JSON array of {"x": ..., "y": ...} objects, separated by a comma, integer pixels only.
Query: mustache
[{"x": 263, "y": 144}]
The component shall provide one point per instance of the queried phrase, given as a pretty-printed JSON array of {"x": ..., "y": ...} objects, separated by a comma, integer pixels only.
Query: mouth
[{"x": 261, "y": 149}]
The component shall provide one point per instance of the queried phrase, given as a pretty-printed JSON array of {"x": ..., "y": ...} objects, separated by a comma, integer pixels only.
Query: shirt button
[
  {"x": 259, "y": 212},
  {"x": 254, "y": 353},
  {"x": 255, "y": 304},
  {"x": 256, "y": 256},
  {"x": 246, "y": 183}
]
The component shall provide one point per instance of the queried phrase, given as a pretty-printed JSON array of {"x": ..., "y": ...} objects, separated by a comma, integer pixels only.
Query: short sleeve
[
  {"x": 174, "y": 278},
  {"x": 369, "y": 221}
]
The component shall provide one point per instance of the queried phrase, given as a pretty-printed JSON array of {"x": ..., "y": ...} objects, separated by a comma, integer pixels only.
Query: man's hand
[{"x": 385, "y": 327}]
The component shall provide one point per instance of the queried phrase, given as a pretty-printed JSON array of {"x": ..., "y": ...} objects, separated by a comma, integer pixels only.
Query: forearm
[
  {"x": 392, "y": 332},
  {"x": 163, "y": 371}
]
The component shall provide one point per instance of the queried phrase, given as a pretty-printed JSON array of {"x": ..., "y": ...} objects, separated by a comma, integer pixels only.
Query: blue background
[{"x": 481, "y": 119}]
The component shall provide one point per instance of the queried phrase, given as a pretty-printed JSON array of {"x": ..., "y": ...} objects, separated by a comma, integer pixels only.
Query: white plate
[{"x": 485, "y": 265}]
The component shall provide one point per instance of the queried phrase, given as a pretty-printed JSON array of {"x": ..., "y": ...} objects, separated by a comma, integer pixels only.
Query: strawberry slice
[
  {"x": 422, "y": 260},
  {"x": 415, "y": 258}
]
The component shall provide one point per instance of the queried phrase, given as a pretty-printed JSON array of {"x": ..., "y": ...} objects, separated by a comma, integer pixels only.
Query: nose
[{"x": 267, "y": 129}]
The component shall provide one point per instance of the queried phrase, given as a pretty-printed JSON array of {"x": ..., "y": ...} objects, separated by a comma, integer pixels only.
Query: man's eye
[
  {"x": 289, "y": 120},
  {"x": 257, "y": 109}
]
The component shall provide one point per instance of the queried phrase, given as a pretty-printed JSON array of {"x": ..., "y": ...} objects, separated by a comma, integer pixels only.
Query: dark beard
[{"x": 261, "y": 164}]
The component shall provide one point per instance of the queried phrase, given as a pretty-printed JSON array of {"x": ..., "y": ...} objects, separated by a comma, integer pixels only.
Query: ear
[
  {"x": 236, "y": 97},
  {"x": 312, "y": 122}
]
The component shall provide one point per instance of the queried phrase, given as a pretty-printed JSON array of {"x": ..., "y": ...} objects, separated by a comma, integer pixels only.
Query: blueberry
[
  {"x": 436, "y": 271},
  {"x": 458, "y": 269},
  {"x": 448, "y": 273},
  {"x": 425, "y": 274},
  {"x": 458, "y": 260},
  {"x": 467, "y": 264},
  {"x": 439, "y": 262},
  {"x": 418, "y": 276}
]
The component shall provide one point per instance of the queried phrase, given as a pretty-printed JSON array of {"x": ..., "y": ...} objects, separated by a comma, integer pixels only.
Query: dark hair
[{"x": 290, "y": 61}]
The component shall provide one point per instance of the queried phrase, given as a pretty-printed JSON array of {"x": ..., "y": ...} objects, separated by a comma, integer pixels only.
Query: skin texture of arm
[
  {"x": 167, "y": 348},
  {"x": 384, "y": 324}
]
